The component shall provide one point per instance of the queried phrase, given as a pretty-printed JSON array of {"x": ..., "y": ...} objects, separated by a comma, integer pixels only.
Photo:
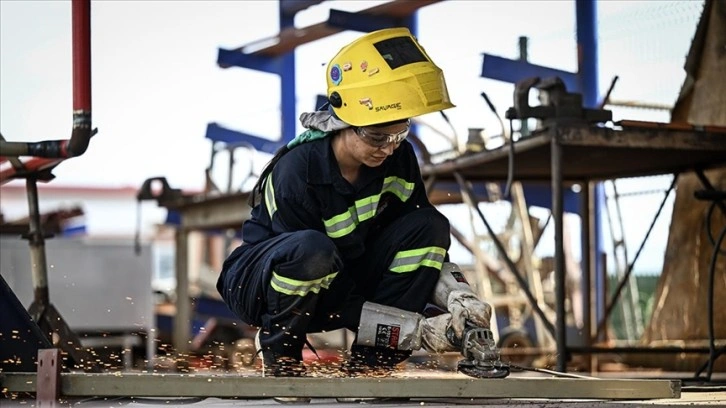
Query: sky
[{"x": 156, "y": 84}]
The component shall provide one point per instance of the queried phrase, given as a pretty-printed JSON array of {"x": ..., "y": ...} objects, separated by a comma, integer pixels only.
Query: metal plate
[{"x": 230, "y": 385}]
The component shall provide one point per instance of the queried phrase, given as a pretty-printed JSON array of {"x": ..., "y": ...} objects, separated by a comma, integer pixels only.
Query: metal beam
[
  {"x": 236, "y": 386},
  {"x": 205, "y": 213},
  {"x": 235, "y": 58},
  {"x": 217, "y": 133},
  {"x": 291, "y": 37},
  {"x": 292, "y": 7},
  {"x": 346, "y": 20},
  {"x": 513, "y": 71},
  {"x": 638, "y": 150},
  {"x": 226, "y": 211}
]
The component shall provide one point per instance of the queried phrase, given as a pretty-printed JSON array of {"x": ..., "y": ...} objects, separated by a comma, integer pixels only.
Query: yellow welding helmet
[{"x": 382, "y": 77}]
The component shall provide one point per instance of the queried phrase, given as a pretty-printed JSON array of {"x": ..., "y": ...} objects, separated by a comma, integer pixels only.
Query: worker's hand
[
  {"x": 464, "y": 306},
  {"x": 434, "y": 337}
]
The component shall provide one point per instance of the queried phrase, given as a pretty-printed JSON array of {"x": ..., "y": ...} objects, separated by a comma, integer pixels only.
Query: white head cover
[{"x": 324, "y": 120}]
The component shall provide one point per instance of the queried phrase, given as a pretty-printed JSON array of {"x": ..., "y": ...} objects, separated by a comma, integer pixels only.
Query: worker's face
[{"x": 379, "y": 142}]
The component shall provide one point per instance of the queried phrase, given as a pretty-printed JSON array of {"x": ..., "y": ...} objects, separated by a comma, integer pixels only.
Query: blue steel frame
[
  {"x": 584, "y": 81},
  {"x": 284, "y": 66}
]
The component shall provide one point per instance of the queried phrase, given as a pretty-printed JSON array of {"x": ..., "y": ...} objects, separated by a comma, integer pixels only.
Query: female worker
[{"x": 342, "y": 234}]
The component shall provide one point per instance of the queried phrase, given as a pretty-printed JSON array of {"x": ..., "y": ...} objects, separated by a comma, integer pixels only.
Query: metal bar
[
  {"x": 236, "y": 386},
  {"x": 524, "y": 57},
  {"x": 503, "y": 252},
  {"x": 638, "y": 350},
  {"x": 587, "y": 50},
  {"x": 641, "y": 105},
  {"x": 291, "y": 37},
  {"x": 653, "y": 138},
  {"x": 81, "y": 16},
  {"x": 626, "y": 277},
  {"x": 235, "y": 58},
  {"x": 294, "y": 6},
  {"x": 48, "y": 376},
  {"x": 620, "y": 254},
  {"x": 353, "y": 21},
  {"x": 181, "y": 331},
  {"x": 217, "y": 133},
  {"x": 560, "y": 293},
  {"x": 588, "y": 78},
  {"x": 81, "y": 132},
  {"x": 228, "y": 211},
  {"x": 513, "y": 71},
  {"x": 36, "y": 239},
  {"x": 586, "y": 265}
]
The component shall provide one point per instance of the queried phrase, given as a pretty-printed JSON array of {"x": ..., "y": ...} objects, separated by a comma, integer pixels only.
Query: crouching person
[{"x": 342, "y": 234}]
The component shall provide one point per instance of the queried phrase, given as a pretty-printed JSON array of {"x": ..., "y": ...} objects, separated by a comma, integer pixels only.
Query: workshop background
[{"x": 176, "y": 116}]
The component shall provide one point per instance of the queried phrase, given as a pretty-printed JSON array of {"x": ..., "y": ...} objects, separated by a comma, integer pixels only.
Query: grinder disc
[{"x": 472, "y": 369}]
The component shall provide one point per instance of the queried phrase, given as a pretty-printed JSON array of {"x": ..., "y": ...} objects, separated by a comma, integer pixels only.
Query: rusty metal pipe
[
  {"x": 36, "y": 238},
  {"x": 81, "y": 133}
]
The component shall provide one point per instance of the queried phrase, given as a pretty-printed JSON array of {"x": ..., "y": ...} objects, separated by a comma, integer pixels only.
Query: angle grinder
[{"x": 481, "y": 356}]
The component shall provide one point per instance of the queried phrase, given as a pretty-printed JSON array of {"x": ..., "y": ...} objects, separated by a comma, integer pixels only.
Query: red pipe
[
  {"x": 81, "y": 55},
  {"x": 81, "y": 134}
]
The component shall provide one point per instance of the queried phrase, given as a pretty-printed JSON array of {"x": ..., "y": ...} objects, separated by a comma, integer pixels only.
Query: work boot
[{"x": 276, "y": 365}]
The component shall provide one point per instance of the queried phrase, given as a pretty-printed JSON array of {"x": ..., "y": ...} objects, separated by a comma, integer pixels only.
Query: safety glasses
[{"x": 376, "y": 138}]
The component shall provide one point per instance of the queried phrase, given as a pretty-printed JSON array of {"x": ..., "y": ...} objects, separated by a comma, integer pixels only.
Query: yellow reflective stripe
[
  {"x": 341, "y": 224},
  {"x": 412, "y": 259},
  {"x": 296, "y": 287},
  {"x": 365, "y": 208},
  {"x": 270, "y": 196},
  {"x": 399, "y": 187}
]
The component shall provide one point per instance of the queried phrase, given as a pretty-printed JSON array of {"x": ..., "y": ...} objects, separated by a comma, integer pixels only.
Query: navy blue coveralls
[{"x": 316, "y": 247}]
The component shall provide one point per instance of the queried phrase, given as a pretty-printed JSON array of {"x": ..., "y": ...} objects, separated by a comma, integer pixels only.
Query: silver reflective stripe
[
  {"x": 340, "y": 225},
  {"x": 296, "y": 287},
  {"x": 270, "y": 196},
  {"x": 412, "y": 259},
  {"x": 399, "y": 187},
  {"x": 365, "y": 208}
]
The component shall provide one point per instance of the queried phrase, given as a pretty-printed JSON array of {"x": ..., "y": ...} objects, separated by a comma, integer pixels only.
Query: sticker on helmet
[
  {"x": 373, "y": 71},
  {"x": 335, "y": 74},
  {"x": 367, "y": 102},
  {"x": 364, "y": 66},
  {"x": 347, "y": 66}
]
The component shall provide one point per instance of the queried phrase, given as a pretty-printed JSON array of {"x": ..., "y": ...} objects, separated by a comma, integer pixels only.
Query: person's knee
[
  {"x": 438, "y": 222},
  {"x": 433, "y": 223}
]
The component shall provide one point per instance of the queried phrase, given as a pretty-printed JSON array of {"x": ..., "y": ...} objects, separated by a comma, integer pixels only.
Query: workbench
[{"x": 581, "y": 154}]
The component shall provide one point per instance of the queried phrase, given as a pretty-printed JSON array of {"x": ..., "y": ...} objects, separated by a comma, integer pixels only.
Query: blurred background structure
[{"x": 602, "y": 256}]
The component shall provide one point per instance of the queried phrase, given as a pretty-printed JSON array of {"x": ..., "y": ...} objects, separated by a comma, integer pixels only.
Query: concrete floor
[{"x": 711, "y": 398}]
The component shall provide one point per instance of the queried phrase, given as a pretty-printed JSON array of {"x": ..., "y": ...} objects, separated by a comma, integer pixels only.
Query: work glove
[
  {"x": 453, "y": 293},
  {"x": 434, "y": 338},
  {"x": 465, "y": 307}
]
